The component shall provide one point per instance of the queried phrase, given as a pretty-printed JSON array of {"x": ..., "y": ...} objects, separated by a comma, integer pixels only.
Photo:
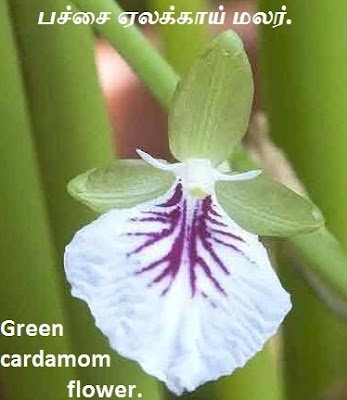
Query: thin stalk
[
  {"x": 152, "y": 69},
  {"x": 29, "y": 284},
  {"x": 325, "y": 251},
  {"x": 314, "y": 342},
  {"x": 305, "y": 76},
  {"x": 72, "y": 134},
  {"x": 182, "y": 43}
]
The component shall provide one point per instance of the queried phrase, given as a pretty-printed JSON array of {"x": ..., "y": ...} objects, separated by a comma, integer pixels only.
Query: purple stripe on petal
[
  {"x": 173, "y": 218},
  {"x": 207, "y": 270},
  {"x": 229, "y": 234},
  {"x": 210, "y": 208},
  {"x": 160, "y": 218},
  {"x": 215, "y": 221},
  {"x": 192, "y": 230},
  {"x": 176, "y": 198}
]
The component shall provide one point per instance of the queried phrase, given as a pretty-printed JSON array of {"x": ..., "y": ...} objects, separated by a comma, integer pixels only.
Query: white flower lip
[{"x": 178, "y": 286}]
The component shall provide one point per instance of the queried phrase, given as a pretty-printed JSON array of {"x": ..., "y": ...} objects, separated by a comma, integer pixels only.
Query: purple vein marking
[{"x": 202, "y": 226}]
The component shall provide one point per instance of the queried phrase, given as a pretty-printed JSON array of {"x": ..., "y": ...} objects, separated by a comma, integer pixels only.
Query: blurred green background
[{"x": 68, "y": 102}]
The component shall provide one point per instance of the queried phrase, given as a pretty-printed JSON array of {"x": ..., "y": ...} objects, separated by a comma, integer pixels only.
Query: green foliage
[
  {"x": 327, "y": 259},
  {"x": 150, "y": 67},
  {"x": 268, "y": 208},
  {"x": 304, "y": 87},
  {"x": 182, "y": 43},
  {"x": 211, "y": 106},
  {"x": 122, "y": 184},
  {"x": 29, "y": 286}
]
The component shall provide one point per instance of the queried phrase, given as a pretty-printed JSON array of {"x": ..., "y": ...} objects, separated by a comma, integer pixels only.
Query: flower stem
[
  {"x": 182, "y": 42},
  {"x": 153, "y": 70},
  {"x": 305, "y": 76}
]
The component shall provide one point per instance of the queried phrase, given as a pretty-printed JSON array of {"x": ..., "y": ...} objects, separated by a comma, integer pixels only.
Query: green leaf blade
[
  {"x": 122, "y": 184},
  {"x": 212, "y": 105},
  {"x": 268, "y": 208}
]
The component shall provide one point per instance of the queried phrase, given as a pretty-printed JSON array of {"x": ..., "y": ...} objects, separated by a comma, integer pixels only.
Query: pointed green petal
[
  {"x": 211, "y": 106},
  {"x": 268, "y": 208},
  {"x": 122, "y": 184}
]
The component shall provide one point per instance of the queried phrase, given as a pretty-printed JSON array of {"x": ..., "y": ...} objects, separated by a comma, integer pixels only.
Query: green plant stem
[
  {"x": 158, "y": 75},
  {"x": 314, "y": 342},
  {"x": 72, "y": 135},
  {"x": 305, "y": 77},
  {"x": 182, "y": 43},
  {"x": 325, "y": 253},
  {"x": 29, "y": 285}
]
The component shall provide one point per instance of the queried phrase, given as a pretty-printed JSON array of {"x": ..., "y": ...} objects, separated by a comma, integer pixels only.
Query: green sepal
[
  {"x": 211, "y": 106},
  {"x": 122, "y": 184},
  {"x": 268, "y": 208}
]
